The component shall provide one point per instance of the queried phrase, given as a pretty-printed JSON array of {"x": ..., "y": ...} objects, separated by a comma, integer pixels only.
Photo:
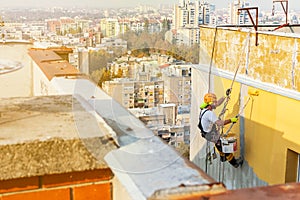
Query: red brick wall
[
  {"x": 19, "y": 184},
  {"x": 94, "y": 184},
  {"x": 58, "y": 194},
  {"x": 92, "y": 192}
]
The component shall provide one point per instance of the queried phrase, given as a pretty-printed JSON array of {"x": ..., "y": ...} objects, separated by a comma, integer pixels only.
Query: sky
[{"x": 262, "y": 4}]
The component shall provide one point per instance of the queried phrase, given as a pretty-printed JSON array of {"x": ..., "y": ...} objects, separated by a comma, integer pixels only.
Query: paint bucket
[{"x": 229, "y": 144}]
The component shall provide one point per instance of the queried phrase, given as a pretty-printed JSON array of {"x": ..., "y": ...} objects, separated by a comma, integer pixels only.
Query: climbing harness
[{"x": 203, "y": 133}]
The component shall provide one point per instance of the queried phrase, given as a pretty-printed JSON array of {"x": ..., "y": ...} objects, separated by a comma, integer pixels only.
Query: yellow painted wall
[
  {"x": 271, "y": 120},
  {"x": 271, "y": 127},
  {"x": 273, "y": 60}
]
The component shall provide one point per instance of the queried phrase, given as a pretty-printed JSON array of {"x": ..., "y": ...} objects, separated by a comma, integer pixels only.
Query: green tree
[
  {"x": 105, "y": 76},
  {"x": 165, "y": 25},
  {"x": 150, "y": 43},
  {"x": 184, "y": 150},
  {"x": 119, "y": 74},
  {"x": 96, "y": 75},
  {"x": 146, "y": 25}
]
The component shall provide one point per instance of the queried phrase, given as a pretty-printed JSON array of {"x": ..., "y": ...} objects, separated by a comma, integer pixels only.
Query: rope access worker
[{"x": 209, "y": 124}]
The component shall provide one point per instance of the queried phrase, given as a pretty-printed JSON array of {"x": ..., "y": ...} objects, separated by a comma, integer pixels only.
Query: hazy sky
[{"x": 263, "y": 4}]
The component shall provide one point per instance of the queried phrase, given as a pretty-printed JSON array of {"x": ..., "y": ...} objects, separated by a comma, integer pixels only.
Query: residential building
[
  {"x": 148, "y": 94},
  {"x": 53, "y": 25},
  {"x": 188, "y": 16},
  {"x": 169, "y": 111},
  {"x": 113, "y": 42},
  {"x": 110, "y": 27},
  {"x": 135, "y": 94},
  {"x": 67, "y": 25},
  {"x": 177, "y": 80},
  {"x": 187, "y": 36},
  {"x": 122, "y": 90},
  {"x": 265, "y": 91},
  {"x": 236, "y": 16}
]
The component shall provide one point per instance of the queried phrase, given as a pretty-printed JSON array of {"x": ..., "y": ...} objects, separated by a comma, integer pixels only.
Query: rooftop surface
[
  {"x": 7, "y": 66},
  {"x": 51, "y": 63},
  {"x": 143, "y": 162},
  {"x": 38, "y": 135}
]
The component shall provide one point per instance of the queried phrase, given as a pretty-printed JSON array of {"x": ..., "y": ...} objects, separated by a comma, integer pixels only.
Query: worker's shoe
[{"x": 239, "y": 162}]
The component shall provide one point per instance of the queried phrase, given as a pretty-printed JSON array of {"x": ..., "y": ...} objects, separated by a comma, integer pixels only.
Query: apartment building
[
  {"x": 236, "y": 16},
  {"x": 109, "y": 27},
  {"x": 187, "y": 18},
  {"x": 177, "y": 84},
  {"x": 267, "y": 129},
  {"x": 113, "y": 42},
  {"x": 122, "y": 90},
  {"x": 135, "y": 94}
]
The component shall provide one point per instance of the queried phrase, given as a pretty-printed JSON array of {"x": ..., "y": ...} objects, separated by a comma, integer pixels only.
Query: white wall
[
  {"x": 41, "y": 85},
  {"x": 17, "y": 83}
]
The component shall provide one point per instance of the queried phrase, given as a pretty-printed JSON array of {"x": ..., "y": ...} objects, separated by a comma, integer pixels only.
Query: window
[{"x": 292, "y": 173}]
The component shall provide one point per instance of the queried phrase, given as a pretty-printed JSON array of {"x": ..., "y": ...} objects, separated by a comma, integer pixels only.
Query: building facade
[
  {"x": 135, "y": 94},
  {"x": 267, "y": 135},
  {"x": 186, "y": 19}
]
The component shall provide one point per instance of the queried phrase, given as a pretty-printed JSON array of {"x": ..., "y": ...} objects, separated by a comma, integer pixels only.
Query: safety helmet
[{"x": 210, "y": 98}]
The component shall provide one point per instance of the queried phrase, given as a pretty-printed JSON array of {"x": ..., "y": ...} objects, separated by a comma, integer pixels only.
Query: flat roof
[
  {"x": 51, "y": 63},
  {"x": 49, "y": 134},
  {"x": 7, "y": 66},
  {"x": 143, "y": 163}
]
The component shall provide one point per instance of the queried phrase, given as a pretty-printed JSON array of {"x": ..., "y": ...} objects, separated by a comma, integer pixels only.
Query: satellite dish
[{"x": 8, "y": 66}]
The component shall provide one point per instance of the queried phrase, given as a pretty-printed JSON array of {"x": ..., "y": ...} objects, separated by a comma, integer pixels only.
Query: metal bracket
[
  {"x": 255, "y": 24},
  {"x": 285, "y": 10}
]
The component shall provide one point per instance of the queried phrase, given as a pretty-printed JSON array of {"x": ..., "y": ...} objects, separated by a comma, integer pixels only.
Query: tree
[
  {"x": 96, "y": 75},
  {"x": 165, "y": 25},
  {"x": 150, "y": 43},
  {"x": 146, "y": 25},
  {"x": 105, "y": 76},
  {"x": 184, "y": 150},
  {"x": 119, "y": 74}
]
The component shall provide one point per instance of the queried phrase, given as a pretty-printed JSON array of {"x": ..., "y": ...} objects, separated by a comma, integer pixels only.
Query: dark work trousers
[{"x": 227, "y": 156}]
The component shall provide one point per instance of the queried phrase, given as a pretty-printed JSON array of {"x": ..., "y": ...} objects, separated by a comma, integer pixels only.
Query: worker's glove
[
  {"x": 228, "y": 91},
  {"x": 234, "y": 119}
]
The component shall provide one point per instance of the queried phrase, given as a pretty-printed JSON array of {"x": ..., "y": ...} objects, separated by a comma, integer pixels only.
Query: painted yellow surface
[
  {"x": 271, "y": 121},
  {"x": 271, "y": 127},
  {"x": 275, "y": 60}
]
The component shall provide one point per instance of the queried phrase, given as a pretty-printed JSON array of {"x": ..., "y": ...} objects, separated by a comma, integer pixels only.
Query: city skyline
[{"x": 265, "y": 5}]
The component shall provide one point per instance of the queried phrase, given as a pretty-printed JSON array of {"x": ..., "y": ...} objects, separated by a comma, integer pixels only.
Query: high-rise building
[
  {"x": 135, "y": 94},
  {"x": 187, "y": 17},
  {"x": 236, "y": 16},
  {"x": 109, "y": 27}
]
